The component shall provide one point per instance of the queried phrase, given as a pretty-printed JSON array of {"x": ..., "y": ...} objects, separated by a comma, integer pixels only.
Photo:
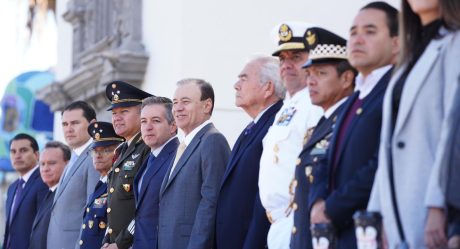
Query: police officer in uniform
[
  {"x": 330, "y": 82},
  {"x": 130, "y": 156},
  {"x": 284, "y": 139},
  {"x": 95, "y": 217}
]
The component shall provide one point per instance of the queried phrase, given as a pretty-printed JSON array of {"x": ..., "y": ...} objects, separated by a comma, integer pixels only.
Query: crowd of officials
[{"x": 337, "y": 127}]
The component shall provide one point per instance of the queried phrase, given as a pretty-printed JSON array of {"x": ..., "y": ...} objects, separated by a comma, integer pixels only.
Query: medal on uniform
[
  {"x": 102, "y": 225},
  {"x": 90, "y": 224},
  {"x": 127, "y": 187}
]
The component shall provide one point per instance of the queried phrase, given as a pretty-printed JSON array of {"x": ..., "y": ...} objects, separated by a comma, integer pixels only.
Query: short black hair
[
  {"x": 88, "y": 111},
  {"x": 66, "y": 152},
  {"x": 207, "y": 92},
  {"x": 20, "y": 136},
  {"x": 390, "y": 12}
]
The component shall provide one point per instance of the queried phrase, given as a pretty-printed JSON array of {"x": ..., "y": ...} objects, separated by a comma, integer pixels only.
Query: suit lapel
[
  {"x": 26, "y": 191},
  {"x": 9, "y": 200},
  {"x": 340, "y": 119},
  {"x": 185, "y": 156},
  {"x": 242, "y": 144},
  {"x": 416, "y": 79},
  {"x": 65, "y": 178},
  {"x": 159, "y": 163},
  {"x": 368, "y": 101},
  {"x": 43, "y": 209},
  {"x": 128, "y": 151}
]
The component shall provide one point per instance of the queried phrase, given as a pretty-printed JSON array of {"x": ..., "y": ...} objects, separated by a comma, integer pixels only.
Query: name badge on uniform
[
  {"x": 128, "y": 165},
  {"x": 100, "y": 202},
  {"x": 286, "y": 116}
]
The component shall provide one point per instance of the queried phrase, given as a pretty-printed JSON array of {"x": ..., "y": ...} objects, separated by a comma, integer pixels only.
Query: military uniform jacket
[
  {"x": 95, "y": 218},
  {"x": 282, "y": 145},
  {"x": 312, "y": 156},
  {"x": 121, "y": 204}
]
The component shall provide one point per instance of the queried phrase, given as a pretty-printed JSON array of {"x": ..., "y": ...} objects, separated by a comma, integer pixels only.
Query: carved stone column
[{"x": 107, "y": 45}]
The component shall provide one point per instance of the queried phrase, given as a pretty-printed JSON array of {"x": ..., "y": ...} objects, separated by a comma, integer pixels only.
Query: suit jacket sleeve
[
  {"x": 353, "y": 195},
  {"x": 258, "y": 228},
  {"x": 215, "y": 153}
]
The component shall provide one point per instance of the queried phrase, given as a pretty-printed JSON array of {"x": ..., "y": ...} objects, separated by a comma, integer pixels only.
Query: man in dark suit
[
  {"x": 25, "y": 194},
  {"x": 330, "y": 82},
  {"x": 94, "y": 225},
  {"x": 78, "y": 180},
  {"x": 159, "y": 133},
  {"x": 126, "y": 103},
  {"x": 53, "y": 160},
  {"x": 343, "y": 185},
  {"x": 259, "y": 91},
  {"x": 190, "y": 189}
]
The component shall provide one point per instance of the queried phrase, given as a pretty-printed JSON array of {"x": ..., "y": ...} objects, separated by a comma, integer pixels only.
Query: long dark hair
[{"x": 411, "y": 25}]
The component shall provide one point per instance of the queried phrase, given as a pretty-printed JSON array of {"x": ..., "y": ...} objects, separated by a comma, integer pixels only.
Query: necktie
[
  {"x": 17, "y": 197},
  {"x": 248, "y": 128},
  {"x": 148, "y": 168},
  {"x": 179, "y": 153},
  {"x": 122, "y": 150}
]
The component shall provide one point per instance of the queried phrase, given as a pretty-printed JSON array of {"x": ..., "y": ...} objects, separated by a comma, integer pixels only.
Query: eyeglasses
[{"x": 101, "y": 152}]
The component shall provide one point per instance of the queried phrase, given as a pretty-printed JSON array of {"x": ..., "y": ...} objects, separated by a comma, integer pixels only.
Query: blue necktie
[
  {"x": 248, "y": 128},
  {"x": 149, "y": 167}
]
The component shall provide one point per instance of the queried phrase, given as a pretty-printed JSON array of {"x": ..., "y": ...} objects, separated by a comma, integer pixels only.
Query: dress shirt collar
[
  {"x": 53, "y": 188},
  {"x": 188, "y": 138},
  {"x": 80, "y": 149},
  {"x": 29, "y": 173},
  {"x": 128, "y": 142},
  {"x": 103, "y": 179},
  {"x": 298, "y": 95},
  {"x": 157, "y": 151},
  {"x": 365, "y": 85},
  {"x": 332, "y": 109},
  {"x": 262, "y": 113}
]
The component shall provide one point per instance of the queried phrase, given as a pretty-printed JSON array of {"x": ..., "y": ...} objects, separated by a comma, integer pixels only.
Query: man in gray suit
[
  {"x": 78, "y": 180},
  {"x": 190, "y": 188}
]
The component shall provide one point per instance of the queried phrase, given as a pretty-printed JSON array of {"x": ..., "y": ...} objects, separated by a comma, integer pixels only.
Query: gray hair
[
  {"x": 270, "y": 71},
  {"x": 66, "y": 152},
  {"x": 165, "y": 102}
]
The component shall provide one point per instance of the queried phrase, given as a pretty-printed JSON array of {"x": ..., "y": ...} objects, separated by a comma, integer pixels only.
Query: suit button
[
  {"x": 108, "y": 210},
  {"x": 117, "y": 170},
  {"x": 111, "y": 190},
  {"x": 294, "y": 230},
  {"x": 83, "y": 226},
  {"x": 401, "y": 145},
  {"x": 294, "y": 206},
  {"x": 87, "y": 210},
  {"x": 81, "y": 242},
  {"x": 110, "y": 231},
  {"x": 298, "y": 162}
]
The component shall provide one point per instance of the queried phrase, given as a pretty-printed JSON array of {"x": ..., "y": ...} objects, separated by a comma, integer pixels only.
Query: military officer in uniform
[
  {"x": 284, "y": 139},
  {"x": 95, "y": 216},
  {"x": 130, "y": 156},
  {"x": 330, "y": 82}
]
